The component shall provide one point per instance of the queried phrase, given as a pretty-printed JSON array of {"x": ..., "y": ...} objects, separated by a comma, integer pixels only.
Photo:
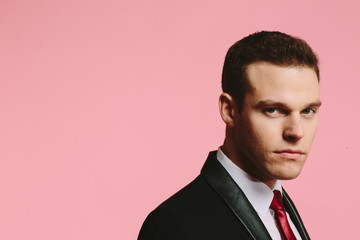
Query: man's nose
[{"x": 293, "y": 129}]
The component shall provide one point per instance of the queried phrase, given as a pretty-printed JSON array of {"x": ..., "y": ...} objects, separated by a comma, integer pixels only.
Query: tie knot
[{"x": 277, "y": 202}]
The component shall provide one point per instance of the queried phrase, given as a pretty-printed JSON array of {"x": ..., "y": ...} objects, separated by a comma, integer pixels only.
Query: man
[{"x": 270, "y": 104}]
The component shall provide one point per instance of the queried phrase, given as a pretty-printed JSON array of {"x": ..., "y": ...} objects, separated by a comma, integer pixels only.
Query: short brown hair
[{"x": 273, "y": 47}]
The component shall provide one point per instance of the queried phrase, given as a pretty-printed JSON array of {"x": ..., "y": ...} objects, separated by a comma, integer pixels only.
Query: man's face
[{"x": 275, "y": 129}]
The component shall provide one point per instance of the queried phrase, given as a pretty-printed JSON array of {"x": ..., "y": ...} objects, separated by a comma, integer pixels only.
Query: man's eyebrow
[
  {"x": 315, "y": 104},
  {"x": 268, "y": 103}
]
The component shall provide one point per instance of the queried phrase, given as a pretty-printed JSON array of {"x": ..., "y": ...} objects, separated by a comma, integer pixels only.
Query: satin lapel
[
  {"x": 214, "y": 173},
  {"x": 295, "y": 217}
]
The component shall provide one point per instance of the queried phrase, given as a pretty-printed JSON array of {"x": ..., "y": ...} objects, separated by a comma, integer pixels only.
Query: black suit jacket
[{"x": 211, "y": 207}]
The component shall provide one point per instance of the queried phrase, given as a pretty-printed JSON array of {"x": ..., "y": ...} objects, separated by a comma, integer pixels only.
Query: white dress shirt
[{"x": 259, "y": 195}]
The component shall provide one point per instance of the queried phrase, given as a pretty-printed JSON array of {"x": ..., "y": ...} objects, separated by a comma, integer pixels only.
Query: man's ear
[{"x": 228, "y": 108}]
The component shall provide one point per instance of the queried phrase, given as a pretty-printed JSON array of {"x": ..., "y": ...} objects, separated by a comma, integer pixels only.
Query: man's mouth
[{"x": 290, "y": 153}]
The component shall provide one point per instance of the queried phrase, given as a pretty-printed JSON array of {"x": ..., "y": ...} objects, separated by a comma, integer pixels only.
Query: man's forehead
[
  {"x": 260, "y": 66},
  {"x": 292, "y": 85},
  {"x": 264, "y": 74}
]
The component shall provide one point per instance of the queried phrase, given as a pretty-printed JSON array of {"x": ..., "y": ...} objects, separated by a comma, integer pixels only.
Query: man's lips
[{"x": 290, "y": 153}]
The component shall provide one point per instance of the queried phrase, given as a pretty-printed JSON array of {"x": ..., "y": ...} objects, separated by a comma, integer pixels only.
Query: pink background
[{"x": 109, "y": 107}]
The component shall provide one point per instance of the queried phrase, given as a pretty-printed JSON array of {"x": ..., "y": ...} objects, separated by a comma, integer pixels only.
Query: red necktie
[{"x": 280, "y": 216}]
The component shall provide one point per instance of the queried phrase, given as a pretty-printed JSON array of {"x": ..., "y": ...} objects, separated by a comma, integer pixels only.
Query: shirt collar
[{"x": 258, "y": 193}]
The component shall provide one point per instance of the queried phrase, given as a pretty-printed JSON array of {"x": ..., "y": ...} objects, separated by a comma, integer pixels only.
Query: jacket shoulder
[{"x": 194, "y": 212}]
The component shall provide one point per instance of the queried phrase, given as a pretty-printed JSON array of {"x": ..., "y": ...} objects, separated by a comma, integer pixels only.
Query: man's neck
[{"x": 245, "y": 164}]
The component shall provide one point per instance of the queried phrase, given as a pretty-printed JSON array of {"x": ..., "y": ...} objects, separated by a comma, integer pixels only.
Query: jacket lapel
[
  {"x": 214, "y": 173},
  {"x": 295, "y": 217}
]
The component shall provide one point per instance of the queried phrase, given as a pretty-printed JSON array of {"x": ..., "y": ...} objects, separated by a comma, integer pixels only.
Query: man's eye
[
  {"x": 308, "y": 111},
  {"x": 273, "y": 110},
  {"x": 270, "y": 110}
]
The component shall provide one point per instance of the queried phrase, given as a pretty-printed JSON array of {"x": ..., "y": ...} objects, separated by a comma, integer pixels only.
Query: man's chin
[{"x": 288, "y": 175}]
